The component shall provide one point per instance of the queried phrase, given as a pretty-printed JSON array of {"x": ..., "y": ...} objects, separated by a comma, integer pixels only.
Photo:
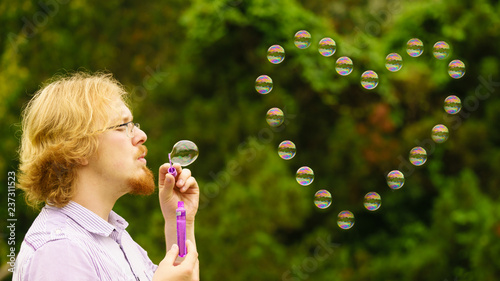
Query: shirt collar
[
  {"x": 116, "y": 220},
  {"x": 91, "y": 221}
]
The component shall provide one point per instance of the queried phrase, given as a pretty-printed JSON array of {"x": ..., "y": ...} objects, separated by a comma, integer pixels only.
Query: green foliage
[{"x": 190, "y": 67}]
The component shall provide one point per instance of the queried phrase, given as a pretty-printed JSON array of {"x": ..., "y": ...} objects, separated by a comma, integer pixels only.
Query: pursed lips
[
  {"x": 142, "y": 157},
  {"x": 143, "y": 152}
]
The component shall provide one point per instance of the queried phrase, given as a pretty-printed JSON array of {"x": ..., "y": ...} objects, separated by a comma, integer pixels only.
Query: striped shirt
[{"x": 73, "y": 243}]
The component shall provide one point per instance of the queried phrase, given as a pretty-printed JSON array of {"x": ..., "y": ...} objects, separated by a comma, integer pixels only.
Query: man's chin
[{"x": 144, "y": 184}]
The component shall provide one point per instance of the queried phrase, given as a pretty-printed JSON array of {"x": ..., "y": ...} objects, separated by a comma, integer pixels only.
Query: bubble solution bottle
[{"x": 181, "y": 228}]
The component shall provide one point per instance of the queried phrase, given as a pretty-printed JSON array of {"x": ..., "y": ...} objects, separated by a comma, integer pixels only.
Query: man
[{"x": 80, "y": 152}]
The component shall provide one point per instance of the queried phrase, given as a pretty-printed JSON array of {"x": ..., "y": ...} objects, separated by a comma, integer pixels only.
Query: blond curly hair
[{"x": 60, "y": 128}]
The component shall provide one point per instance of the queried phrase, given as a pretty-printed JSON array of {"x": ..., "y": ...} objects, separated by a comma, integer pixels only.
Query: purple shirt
[{"x": 73, "y": 243}]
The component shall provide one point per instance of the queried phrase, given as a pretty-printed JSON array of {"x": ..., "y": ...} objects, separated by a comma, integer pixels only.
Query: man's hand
[
  {"x": 171, "y": 190},
  {"x": 182, "y": 188},
  {"x": 187, "y": 270}
]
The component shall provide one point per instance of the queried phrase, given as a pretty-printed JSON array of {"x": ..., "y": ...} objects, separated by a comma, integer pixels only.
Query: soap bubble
[
  {"x": 369, "y": 79},
  {"x": 440, "y": 133},
  {"x": 418, "y": 156},
  {"x": 393, "y": 62},
  {"x": 414, "y": 47},
  {"x": 327, "y": 47},
  {"x": 305, "y": 176},
  {"x": 263, "y": 84},
  {"x": 345, "y": 220},
  {"x": 452, "y": 104},
  {"x": 372, "y": 201},
  {"x": 286, "y": 150},
  {"x": 274, "y": 117},
  {"x": 456, "y": 69},
  {"x": 343, "y": 66},
  {"x": 395, "y": 179},
  {"x": 276, "y": 54},
  {"x": 184, "y": 153},
  {"x": 441, "y": 50},
  {"x": 322, "y": 199},
  {"x": 302, "y": 39}
]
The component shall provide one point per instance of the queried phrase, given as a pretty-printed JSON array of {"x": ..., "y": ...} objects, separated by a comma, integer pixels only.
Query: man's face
[{"x": 120, "y": 158}]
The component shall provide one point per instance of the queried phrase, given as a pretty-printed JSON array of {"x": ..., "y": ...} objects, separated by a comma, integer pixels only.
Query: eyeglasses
[{"x": 130, "y": 126}]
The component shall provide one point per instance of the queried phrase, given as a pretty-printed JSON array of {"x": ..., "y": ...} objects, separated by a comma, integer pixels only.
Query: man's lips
[
  {"x": 142, "y": 159},
  {"x": 143, "y": 152}
]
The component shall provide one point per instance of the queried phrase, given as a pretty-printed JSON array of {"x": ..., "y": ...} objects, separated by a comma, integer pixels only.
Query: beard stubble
[{"x": 144, "y": 184}]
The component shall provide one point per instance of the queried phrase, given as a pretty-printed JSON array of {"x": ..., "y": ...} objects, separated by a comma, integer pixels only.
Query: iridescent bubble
[
  {"x": 327, "y": 47},
  {"x": 305, "y": 176},
  {"x": 393, "y": 62},
  {"x": 441, "y": 50},
  {"x": 414, "y": 47},
  {"x": 263, "y": 84},
  {"x": 302, "y": 39},
  {"x": 418, "y": 156},
  {"x": 452, "y": 104},
  {"x": 395, "y": 179},
  {"x": 286, "y": 150},
  {"x": 184, "y": 152},
  {"x": 456, "y": 69},
  {"x": 345, "y": 220},
  {"x": 372, "y": 201},
  {"x": 322, "y": 199},
  {"x": 369, "y": 79},
  {"x": 440, "y": 133},
  {"x": 274, "y": 117},
  {"x": 343, "y": 66},
  {"x": 275, "y": 54}
]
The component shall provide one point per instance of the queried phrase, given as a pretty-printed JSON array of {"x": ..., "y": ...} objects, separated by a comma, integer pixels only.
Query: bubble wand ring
[{"x": 171, "y": 169}]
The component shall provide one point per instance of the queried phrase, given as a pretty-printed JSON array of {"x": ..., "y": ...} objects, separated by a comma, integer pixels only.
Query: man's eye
[{"x": 121, "y": 128}]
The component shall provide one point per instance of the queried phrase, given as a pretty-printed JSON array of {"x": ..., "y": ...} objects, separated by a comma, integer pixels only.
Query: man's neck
[
  {"x": 96, "y": 195},
  {"x": 99, "y": 208}
]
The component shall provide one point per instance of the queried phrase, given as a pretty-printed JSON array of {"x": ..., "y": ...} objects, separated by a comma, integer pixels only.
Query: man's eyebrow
[{"x": 127, "y": 118}]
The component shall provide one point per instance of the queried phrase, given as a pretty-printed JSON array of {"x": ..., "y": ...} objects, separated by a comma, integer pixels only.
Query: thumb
[
  {"x": 172, "y": 254},
  {"x": 192, "y": 253},
  {"x": 166, "y": 183}
]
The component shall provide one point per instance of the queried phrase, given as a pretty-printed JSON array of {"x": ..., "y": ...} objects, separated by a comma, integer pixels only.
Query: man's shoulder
[
  {"x": 51, "y": 236},
  {"x": 52, "y": 225},
  {"x": 55, "y": 259}
]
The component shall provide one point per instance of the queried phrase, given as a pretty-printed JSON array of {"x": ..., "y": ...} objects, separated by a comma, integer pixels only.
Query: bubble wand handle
[
  {"x": 181, "y": 228},
  {"x": 171, "y": 170}
]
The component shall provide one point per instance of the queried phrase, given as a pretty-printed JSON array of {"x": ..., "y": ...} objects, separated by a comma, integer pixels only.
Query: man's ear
[{"x": 83, "y": 161}]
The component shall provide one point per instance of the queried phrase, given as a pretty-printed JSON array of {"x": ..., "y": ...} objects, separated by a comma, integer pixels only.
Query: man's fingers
[
  {"x": 162, "y": 173},
  {"x": 165, "y": 184},
  {"x": 183, "y": 176},
  {"x": 172, "y": 254},
  {"x": 192, "y": 255},
  {"x": 190, "y": 184}
]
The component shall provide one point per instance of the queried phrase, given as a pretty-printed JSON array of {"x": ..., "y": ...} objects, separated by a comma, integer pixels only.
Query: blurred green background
[{"x": 191, "y": 66}]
